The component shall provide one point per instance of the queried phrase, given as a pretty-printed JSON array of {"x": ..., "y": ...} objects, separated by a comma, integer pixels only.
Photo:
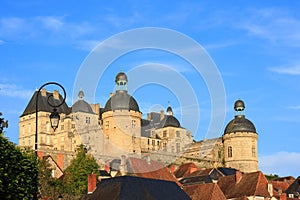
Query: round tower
[
  {"x": 121, "y": 118},
  {"x": 240, "y": 141}
]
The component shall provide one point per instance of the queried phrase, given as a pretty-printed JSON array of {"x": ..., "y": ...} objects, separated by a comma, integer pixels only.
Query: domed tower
[
  {"x": 121, "y": 118},
  {"x": 240, "y": 141}
]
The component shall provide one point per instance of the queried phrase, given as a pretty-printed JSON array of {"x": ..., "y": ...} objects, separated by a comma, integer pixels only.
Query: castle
[{"x": 118, "y": 129}]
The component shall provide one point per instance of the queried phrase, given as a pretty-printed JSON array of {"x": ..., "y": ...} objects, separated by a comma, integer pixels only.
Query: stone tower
[
  {"x": 121, "y": 120},
  {"x": 240, "y": 141}
]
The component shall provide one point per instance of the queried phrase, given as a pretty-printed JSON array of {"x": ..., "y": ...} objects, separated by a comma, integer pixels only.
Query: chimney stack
[
  {"x": 43, "y": 92},
  {"x": 91, "y": 183},
  {"x": 55, "y": 94},
  {"x": 238, "y": 176}
]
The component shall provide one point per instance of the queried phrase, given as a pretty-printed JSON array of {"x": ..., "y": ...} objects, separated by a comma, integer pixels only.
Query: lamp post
[{"x": 54, "y": 118}]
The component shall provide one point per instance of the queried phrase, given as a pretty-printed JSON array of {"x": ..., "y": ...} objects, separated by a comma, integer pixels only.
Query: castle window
[
  {"x": 253, "y": 151},
  {"x": 229, "y": 152},
  {"x": 107, "y": 125},
  {"x": 165, "y": 146},
  {"x": 165, "y": 134},
  {"x": 173, "y": 149},
  {"x": 29, "y": 141},
  {"x": 177, "y": 133},
  {"x": 29, "y": 128},
  {"x": 177, "y": 147},
  {"x": 148, "y": 141},
  {"x": 87, "y": 120},
  {"x": 62, "y": 127},
  {"x": 23, "y": 142},
  {"x": 133, "y": 123},
  {"x": 73, "y": 125},
  {"x": 157, "y": 143},
  {"x": 153, "y": 142}
]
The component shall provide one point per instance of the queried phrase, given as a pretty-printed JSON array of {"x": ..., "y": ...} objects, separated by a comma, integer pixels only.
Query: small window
[
  {"x": 253, "y": 151},
  {"x": 229, "y": 152},
  {"x": 62, "y": 127},
  {"x": 133, "y": 123},
  {"x": 88, "y": 120},
  {"x": 164, "y": 133},
  {"x": 177, "y": 133},
  {"x": 107, "y": 125},
  {"x": 153, "y": 142},
  {"x": 165, "y": 146},
  {"x": 73, "y": 125},
  {"x": 177, "y": 147}
]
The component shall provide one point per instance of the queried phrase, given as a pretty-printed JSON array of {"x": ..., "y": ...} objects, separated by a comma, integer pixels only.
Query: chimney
[
  {"x": 43, "y": 92},
  {"x": 162, "y": 114},
  {"x": 282, "y": 196},
  {"x": 238, "y": 176},
  {"x": 91, "y": 183},
  {"x": 55, "y": 94},
  {"x": 148, "y": 116},
  {"x": 123, "y": 165},
  {"x": 172, "y": 169},
  {"x": 270, "y": 188}
]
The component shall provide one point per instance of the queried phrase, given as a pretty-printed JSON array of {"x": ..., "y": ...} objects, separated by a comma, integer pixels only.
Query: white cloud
[
  {"x": 12, "y": 90},
  {"x": 281, "y": 163},
  {"x": 294, "y": 70},
  {"x": 296, "y": 107},
  {"x": 275, "y": 25}
]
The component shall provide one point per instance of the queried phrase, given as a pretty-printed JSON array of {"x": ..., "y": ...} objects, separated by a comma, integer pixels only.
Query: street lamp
[{"x": 54, "y": 117}]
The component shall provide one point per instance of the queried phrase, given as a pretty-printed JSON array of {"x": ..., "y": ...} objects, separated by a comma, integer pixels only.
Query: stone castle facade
[{"x": 118, "y": 129}]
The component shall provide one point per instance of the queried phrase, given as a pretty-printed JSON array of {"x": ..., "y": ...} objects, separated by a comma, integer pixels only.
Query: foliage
[
  {"x": 75, "y": 177},
  {"x": 18, "y": 171},
  {"x": 271, "y": 177},
  {"x": 48, "y": 186}
]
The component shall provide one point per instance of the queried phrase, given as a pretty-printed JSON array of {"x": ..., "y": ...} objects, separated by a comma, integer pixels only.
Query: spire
[
  {"x": 169, "y": 109},
  {"x": 81, "y": 95},
  {"x": 239, "y": 107},
  {"x": 121, "y": 82}
]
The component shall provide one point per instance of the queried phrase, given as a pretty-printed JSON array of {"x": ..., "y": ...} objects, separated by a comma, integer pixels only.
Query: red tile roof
[
  {"x": 208, "y": 191},
  {"x": 153, "y": 169},
  {"x": 185, "y": 170},
  {"x": 251, "y": 184}
]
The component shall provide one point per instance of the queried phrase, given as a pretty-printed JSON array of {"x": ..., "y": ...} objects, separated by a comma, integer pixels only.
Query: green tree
[
  {"x": 18, "y": 171},
  {"x": 75, "y": 177},
  {"x": 48, "y": 185}
]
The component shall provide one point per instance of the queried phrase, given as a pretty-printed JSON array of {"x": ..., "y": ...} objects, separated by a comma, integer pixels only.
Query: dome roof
[
  {"x": 121, "y": 101},
  {"x": 240, "y": 124},
  {"x": 169, "y": 121},
  {"x": 239, "y": 105},
  {"x": 82, "y": 106},
  {"x": 121, "y": 76}
]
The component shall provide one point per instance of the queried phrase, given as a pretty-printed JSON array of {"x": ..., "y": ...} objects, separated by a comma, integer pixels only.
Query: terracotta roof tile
[
  {"x": 185, "y": 170},
  {"x": 250, "y": 184},
  {"x": 209, "y": 191},
  {"x": 153, "y": 169}
]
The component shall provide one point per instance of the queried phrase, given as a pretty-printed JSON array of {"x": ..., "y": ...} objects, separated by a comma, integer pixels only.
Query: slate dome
[{"x": 121, "y": 101}]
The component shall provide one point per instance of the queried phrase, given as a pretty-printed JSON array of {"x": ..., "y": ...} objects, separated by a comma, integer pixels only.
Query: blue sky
[{"x": 254, "y": 44}]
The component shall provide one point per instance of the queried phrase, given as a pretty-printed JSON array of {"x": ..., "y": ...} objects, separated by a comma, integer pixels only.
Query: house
[
  {"x": 210, "y": 175},
  {"x": 146, "y": 168},
  {"x": 130, "y": 187},
  {"x": 252, "y": 185},
  {"x": 209, "y": 191},
  {"x": 185, "y": 170},
  {"x": 293, "y": 191},
  {"x": 280, "y": 185}
]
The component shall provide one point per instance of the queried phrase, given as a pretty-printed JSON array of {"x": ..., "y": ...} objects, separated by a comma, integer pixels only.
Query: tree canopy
[
  {"x": 75, "y": 177},
  {"x": 18, "y": 171}
]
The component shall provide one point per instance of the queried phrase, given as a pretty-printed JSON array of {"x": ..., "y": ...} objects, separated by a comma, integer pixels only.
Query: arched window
[{"x": 229, "y": 152}]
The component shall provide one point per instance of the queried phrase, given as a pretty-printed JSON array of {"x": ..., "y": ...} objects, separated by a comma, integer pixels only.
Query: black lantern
[
  {"x": 54, "y": 119},
  {"x": 60, "y": 197}
]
